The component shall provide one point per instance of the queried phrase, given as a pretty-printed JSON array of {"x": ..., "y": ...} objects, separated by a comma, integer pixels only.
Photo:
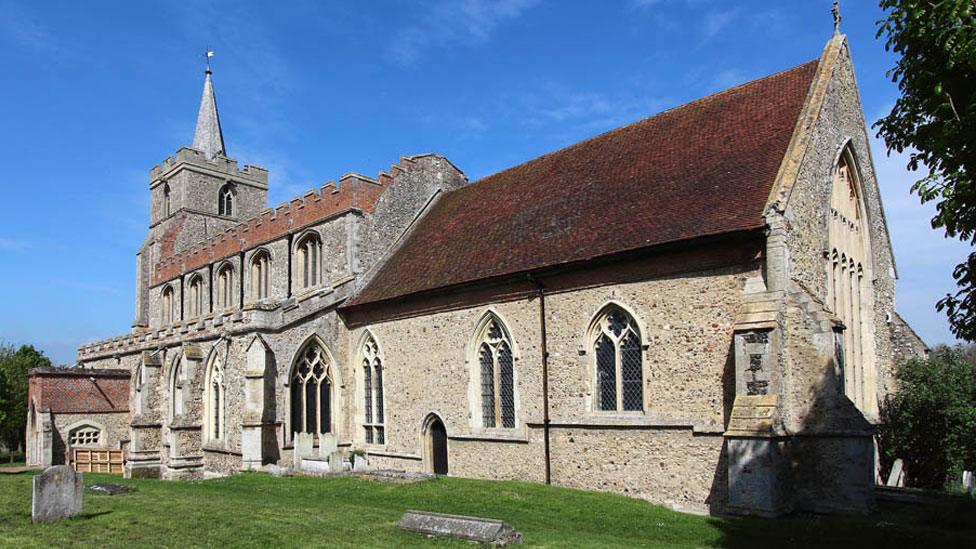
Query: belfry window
[
  {"x": 373, "y": 427},
  {"x": 225, "y": 287},
  {"x": 215, "y": 400},
  {"x": 225, "y": 200},
  {"x": 195, "y": 303},
  {"x": 311, "y": 392},
  {"x": 168, "y": 305},
  {"x": 497, "y": 375},
  {"x": 261, "y": 275},
  {"x": 309, "y": 254},
  {"x": 618, "y": 362},
  {"x": 166, "y": 200}
]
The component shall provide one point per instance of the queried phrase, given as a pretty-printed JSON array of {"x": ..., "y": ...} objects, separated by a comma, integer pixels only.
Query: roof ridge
[{"x": 646, "y": 118}]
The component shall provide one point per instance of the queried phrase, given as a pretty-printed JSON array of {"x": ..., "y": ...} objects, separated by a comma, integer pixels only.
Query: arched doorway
[{"x": 437, "y": 445}]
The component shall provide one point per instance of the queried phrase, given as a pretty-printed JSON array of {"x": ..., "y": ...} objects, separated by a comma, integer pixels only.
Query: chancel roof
[{"x": 701, "y": 169}]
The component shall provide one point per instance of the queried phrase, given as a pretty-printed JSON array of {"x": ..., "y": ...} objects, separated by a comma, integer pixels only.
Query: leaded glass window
[
  {"x": 225, "y": 200},
  {"x": 216, "y": 401},
  {"x": 310, "y": 252},
  {"x": 311, "y": 392},
  {"x": 373, "y": 428},
  {"x": 618, "y": 352},
  {"x": 497, "y": 375}
]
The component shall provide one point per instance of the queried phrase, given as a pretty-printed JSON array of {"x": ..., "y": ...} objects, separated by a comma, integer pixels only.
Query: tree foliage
[
  {"x": 930, "y": 423},
  {"x": 14, "y": 366},
  {"x": 935, "y": 121}
]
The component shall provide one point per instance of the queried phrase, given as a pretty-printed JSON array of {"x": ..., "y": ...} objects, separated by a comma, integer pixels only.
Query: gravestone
[
  {"x": 302, "y": 449},
  {"x": 968, "y": 481},
  {"x": 896, "y": 477},
  {"x": 359, "y": 462},
  {"x": 58, "y": 493},
  {"x": 477, "y": 529},
  {"x": 335, "y": 462},
  {"x": 327, "y": 444}
]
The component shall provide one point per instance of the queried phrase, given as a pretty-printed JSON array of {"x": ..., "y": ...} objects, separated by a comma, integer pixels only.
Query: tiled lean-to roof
[{"x": 701, "y": 169}]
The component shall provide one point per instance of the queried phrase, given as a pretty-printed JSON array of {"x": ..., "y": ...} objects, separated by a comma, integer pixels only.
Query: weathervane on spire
[
  {"x": 836, "y": 11},
  {"x": 207, "y": 56}
]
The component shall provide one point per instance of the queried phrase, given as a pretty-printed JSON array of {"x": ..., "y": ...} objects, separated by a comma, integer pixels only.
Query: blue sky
[{"x": 96, "y": 93}]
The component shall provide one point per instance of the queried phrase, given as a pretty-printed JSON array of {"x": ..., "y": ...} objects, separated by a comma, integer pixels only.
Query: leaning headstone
[
  {"x": 896, "y": 476},
  {"x": 476, "y": 529},
  {"x": 302, "y": 449},
  {"x": 968, "y": 481},
  {"x": 57, "y": 494}
]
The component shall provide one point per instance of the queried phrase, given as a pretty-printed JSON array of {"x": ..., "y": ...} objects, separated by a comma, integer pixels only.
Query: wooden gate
[{"x": 88, "y": 460}]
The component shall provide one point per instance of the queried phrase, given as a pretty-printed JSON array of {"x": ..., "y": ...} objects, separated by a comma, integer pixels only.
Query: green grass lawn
[{"x": 258, "y": 510}]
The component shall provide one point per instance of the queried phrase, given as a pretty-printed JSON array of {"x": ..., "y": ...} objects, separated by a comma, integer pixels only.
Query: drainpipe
[
  {"x": 290, "y": 235},
  {"x": 241, "y": 278},
  {"x": 545, "y": 374}
]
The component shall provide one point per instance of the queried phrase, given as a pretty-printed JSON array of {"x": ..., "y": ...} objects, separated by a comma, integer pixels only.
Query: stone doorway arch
[{"x": 435, "y": 443}]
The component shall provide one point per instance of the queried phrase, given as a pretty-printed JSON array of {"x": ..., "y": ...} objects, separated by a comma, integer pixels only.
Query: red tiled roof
[{"x": 704, "y": 168}]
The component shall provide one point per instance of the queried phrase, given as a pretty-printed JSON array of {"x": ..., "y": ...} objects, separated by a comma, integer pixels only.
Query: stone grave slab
[
  {"x": 110, "y": 489},
  {"x": 477, "y": 529},
  {"x": 58, "y": 494}
]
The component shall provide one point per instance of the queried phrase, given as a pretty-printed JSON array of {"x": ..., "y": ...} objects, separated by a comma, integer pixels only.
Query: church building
[{"x": 696, "y": 309}]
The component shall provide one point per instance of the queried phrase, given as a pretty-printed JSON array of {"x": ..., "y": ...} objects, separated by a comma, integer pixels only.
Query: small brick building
[{"x": 75, "y": 408}]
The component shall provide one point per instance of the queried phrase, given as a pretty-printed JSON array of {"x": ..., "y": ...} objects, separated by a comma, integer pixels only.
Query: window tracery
[
  {"x": 311, "y": 392},
  {"x": 618, "y": 355},
  {"x": 497, "y": 375},
  {"x": 373, "y": 425}
]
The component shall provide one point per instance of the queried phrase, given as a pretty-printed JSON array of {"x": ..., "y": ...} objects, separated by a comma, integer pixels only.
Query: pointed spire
[{"x": 208, "y": 138}]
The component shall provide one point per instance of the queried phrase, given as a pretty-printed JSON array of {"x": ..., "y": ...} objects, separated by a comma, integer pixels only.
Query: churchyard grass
[{"x": 258, "y": 510}]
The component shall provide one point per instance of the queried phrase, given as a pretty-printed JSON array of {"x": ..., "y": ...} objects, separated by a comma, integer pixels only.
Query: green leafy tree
[
  {"x": 935, "y": 121},
  {"x": 14, "y": 366},
  {"x": 930, "y": 423}
]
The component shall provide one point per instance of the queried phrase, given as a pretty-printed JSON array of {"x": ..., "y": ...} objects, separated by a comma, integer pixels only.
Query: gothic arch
[
  {"x": 849, "y": 269},
  {"x": 316, "y": 408},
  {"x": 215, "y": 398},
  {"x": 369, "y": 372},
  {"x": 616, "y": 367},
  {"x": 492, "y": 357}
]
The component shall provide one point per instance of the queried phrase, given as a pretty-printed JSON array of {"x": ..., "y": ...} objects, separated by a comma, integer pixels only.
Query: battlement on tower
[
  {"x": 187, "y": 155},
  {"x": 354, "y": 192}
]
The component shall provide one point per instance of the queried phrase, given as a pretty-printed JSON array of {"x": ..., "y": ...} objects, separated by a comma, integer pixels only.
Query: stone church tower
[{"x": 195, "y": 195}]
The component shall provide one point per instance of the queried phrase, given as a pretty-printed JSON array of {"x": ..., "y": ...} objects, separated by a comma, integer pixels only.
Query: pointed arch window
[
  {"x": 497, "y": 375},
  {"x": 225, "y": 287},
  {"x": 310, "y": 256},
  {"x": 373, "y": 410},
  {"x": 215, "y": 400},
  {"x": 311, "y": 392},
  {"x": 195, "y": 303},
  {"x": 168, "y": 306},
  {"x": 849, "y": 290},
  {"x": 261, "y": 275},
  {"x": 176, "y": 389},
  {"x": 225, "y": 200},
  {"x": 617, "y": 346}
]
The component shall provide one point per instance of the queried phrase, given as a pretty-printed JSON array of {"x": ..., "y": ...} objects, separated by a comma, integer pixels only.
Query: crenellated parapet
[
  {"x": 186, "y": 155},
  {"x": 355, "y": 192}
]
